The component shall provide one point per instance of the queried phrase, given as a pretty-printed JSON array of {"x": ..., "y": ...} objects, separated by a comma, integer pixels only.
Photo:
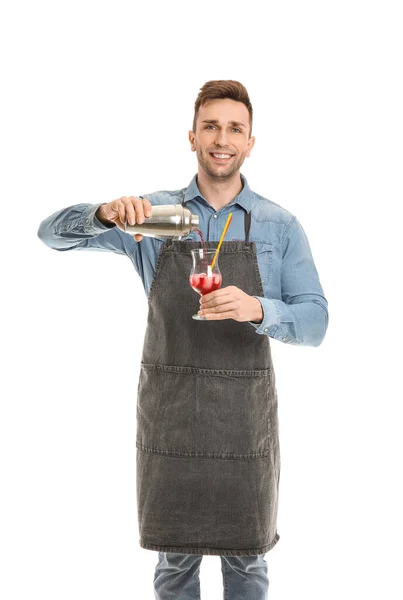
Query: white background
[{"x": 97, "y": 102}]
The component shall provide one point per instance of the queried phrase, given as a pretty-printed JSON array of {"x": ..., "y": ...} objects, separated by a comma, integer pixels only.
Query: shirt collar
[{"x": 244, "y": 197}]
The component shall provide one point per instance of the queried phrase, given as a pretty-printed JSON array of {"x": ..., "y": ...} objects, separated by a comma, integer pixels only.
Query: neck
[{"x": 219, "y": 192}]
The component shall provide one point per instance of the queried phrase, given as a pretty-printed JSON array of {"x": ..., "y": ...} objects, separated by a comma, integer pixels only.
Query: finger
[
  {"x": 139, "y": 209},
  {"x": 147, "y": 207},
  {"x": 216, "y": 301},
  {"x": 216, "y": 294},
  {"x": 120, "y": 208},
  {"x": 225, "y": 307},
  {"x": 129, "y": 211},
  {"x": 220, "y": 316}
]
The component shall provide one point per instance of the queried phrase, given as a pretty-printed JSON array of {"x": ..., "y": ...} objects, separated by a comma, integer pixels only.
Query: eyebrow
[{"x": 230, "y": 122}]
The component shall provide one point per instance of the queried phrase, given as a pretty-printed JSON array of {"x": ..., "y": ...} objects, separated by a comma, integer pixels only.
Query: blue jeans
[{"x": 177, "y": 577}]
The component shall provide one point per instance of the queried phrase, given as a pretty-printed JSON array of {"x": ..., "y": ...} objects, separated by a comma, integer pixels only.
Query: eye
[{"x": 234, "y": 128}]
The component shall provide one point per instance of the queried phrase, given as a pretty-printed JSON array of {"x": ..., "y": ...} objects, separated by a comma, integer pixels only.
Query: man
[{"x": 208, "y": 458}]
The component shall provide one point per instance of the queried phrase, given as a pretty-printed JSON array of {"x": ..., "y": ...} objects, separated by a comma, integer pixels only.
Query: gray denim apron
[{"x": 208, "y": 457}]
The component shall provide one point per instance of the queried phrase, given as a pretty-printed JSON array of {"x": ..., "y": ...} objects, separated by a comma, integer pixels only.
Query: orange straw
[{"x": 221, "y": 240}]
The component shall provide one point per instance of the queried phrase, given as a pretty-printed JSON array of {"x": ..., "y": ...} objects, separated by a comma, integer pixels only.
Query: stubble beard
[{"x": 218, "y": 172}]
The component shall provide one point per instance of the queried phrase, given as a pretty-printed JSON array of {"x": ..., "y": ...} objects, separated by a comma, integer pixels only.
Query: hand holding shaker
[{"x": 167, "y": 220}]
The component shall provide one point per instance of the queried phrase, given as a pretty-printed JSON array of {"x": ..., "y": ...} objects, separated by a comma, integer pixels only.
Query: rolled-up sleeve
[{"x": 77, "y": 228}]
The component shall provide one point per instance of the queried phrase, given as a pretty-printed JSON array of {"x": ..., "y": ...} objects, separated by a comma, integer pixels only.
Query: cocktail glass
[{"x": 204, "y": 279}]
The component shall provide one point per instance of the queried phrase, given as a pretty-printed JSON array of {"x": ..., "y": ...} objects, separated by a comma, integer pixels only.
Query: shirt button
[
  {"x": 284, "y": 339},
  {"x": 265, "y": 329},
  {"x": 215, "y": 216}
]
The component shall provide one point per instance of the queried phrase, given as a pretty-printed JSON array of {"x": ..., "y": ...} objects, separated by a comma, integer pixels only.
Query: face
[{"x": 222, "y": 137}]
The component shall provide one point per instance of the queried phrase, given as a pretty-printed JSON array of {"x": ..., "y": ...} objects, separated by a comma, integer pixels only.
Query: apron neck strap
[{"x": 248, "y": 217}]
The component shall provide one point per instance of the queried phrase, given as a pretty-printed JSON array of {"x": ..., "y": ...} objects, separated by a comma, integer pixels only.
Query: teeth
[{"x": 222, "y": 155}]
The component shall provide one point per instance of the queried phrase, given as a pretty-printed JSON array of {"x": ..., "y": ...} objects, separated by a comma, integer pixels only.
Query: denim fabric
[
  {"x": 177, "y": 577},
  {"x": 208, "y": 459},
  {"x": 293, "y": 302}
]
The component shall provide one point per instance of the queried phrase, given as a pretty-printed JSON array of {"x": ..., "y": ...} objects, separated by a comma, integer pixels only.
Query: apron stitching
[
  {"x": 209, "y": 551},
  {"x": 258, "y": 277},
  {"x": 213, "y": 456},
  {"x": 206, "y": 372},
  {"x": 160, "y": 259}
]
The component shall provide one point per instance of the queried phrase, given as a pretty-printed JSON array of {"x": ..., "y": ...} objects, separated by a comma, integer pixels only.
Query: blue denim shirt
[{"x": 295, "y": 310}]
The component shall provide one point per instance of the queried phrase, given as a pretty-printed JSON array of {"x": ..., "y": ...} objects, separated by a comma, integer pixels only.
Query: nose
[{"x": 221, "y": 137}]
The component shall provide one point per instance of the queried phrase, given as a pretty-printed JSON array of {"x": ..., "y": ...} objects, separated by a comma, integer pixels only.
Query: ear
[
  {"x": 191, "y": 140},
  {"x": 251, "y": 143}
]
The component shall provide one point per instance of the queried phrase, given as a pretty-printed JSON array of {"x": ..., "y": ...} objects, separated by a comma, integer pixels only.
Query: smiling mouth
[{"x": 221, "y": 157}]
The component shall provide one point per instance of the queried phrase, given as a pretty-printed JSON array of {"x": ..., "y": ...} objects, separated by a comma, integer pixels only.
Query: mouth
[{"x": 221, "y": 157}]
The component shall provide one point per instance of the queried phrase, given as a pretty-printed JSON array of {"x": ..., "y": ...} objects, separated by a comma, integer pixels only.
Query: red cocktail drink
[
  {"x": 204, "y": 279},
  {"x": 203, "y": 283}
]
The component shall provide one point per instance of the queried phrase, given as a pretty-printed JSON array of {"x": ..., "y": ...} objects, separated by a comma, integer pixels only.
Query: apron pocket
[{"x": 186, "y": 411}]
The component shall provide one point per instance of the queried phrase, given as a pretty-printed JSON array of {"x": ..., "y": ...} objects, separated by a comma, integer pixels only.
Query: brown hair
[{"x": 224, "y": 88}]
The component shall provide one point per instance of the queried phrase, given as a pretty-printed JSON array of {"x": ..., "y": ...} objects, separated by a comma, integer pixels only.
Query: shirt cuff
[{"x": 271, "y": 317}]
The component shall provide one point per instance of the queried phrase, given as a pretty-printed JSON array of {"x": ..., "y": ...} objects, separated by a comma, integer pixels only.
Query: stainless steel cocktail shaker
[{"x": 167, "y": 220}]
